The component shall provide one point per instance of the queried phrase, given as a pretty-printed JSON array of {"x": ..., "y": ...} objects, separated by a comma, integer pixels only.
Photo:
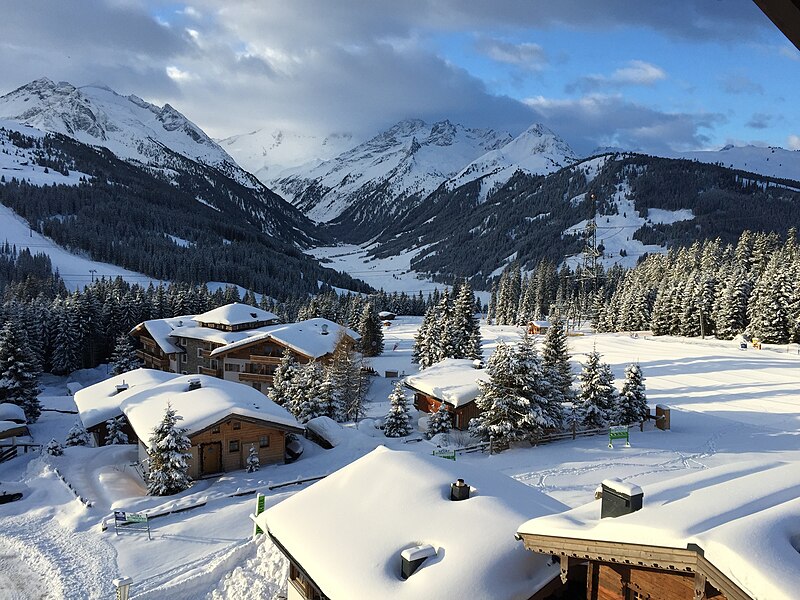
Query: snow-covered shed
[
  {"x": 347, "y": 535},
  {"x": 730, "y": 532},
  {"x": 454, "y": 382},
  {"x": 222, "y": 419},
  {"x": 100, "y": 402},
  {"x": 325, "y": 431},
  {"x": 12, "y": 412},
  {"x": 387, "y": 315},
  {"x": 12, "y": 429},
  {"x": 538, "y": 327}
]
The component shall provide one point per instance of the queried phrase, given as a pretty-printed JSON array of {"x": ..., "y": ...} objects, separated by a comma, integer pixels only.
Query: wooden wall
[
  {"x": 462, "y": 415},
  {"x": 621, "y": 582}
]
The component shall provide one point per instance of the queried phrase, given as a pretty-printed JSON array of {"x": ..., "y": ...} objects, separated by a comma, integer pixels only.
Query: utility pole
[
  {"x": 590, "y": 253},
  {"x": 702, "y": 325},
  {"x": 92, "y": 271}
]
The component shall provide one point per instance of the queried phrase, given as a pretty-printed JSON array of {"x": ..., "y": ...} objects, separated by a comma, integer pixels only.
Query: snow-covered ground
[{"x": 728, "y": 405}]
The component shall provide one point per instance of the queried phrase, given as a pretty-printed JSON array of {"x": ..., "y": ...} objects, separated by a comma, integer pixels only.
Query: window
[
  {"x": 199, "y": 353},
  {"x": 232, "y": 367},
  {"x": 263, "y": 441},
  {"x": 237, "y": 424},
  {"x": 183, "y": 358},
  {"x": 199, "y": 370},
  {"x": 215, "y": 429},
  {"x": 214, "y": 364},
  {"x": 233, "y": 446}
]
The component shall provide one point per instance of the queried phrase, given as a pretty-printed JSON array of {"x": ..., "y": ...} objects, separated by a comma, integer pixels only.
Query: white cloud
[
  {"x": 178, "y": 75},
  {"x": 526, "y": 55},
  {"x": 793, "y": 142},
  {"x": 635, "y": 72}
]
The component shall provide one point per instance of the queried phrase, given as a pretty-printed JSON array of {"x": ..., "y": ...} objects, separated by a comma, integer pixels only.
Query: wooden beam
[
  {"x": 564, "y": 568},
  {"x": 699, "y": 586},
  {"x": 785, "y": 14}
]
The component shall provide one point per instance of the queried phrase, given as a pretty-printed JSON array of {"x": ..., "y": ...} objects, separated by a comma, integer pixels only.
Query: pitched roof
[
  {"x": 161, "y": 330},
  {"x": 100, "y": 402},
  {"x": 745, "y": 516},
  {"x": 363, "y": 516},
  {"x": 213, "y": 401},
  {"x": 454, "y": 380},
  {"x": 12, "y": 412},
  {"x": 235, "y": 314}
]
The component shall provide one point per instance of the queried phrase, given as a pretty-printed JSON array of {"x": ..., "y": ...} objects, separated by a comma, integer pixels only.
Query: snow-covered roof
[
  {"x": 235, "y": 314},
  {"x": 386, "y": 314},
  {"x": 194, "y": 331},
  {"x": 326, "y": 428},
  {"x": 6, "y": 426},
  {"x": 306, "y": 337},
  {"x": 214, "y": 400},
  {"x": 454, "y": 380},
  {"x": 100, "y": 402},
  {"x": 348, "y": 530},
  {"x": 161, "y": 330},
  {"x": 543, "y": 324},
  {"x": 745, "y": 516},
  {"x": 12, "y": 412}
]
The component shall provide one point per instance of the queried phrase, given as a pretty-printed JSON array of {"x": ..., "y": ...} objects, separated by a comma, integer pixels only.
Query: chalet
[
  {"x": 100, "y": 402},
  {"x": 452, "y": 382},
  {"x": 399, "y": 524},
  {"x": 386, "y": 315},
  {"x": 725, "y": 533},
  {"x": 235, "y": 342},
  {"x": 222, "y": 419},
  {"x": 538, "y": 327}
]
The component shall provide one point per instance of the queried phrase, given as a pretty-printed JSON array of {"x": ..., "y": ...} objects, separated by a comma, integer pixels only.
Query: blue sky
[{"x": 661, "y": 77}]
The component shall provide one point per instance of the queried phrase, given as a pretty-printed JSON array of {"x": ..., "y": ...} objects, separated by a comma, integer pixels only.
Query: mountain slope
[{"x": 771, "y": 161}]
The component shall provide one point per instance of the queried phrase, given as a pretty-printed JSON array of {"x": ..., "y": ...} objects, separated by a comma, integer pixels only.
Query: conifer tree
[
  {"x": 439, "y": 422},
  {"x": 397, "y": 421},
  {"x": 53, "y": 448},
  {"x": 114, "y": 431},
  {"x": 281, "y": 393},
  {"x": 169, "y": 455},
  {"x": 18, "y": 373},
  {"x": 253, "y": 462},
  {"x": 124, "y": 358},
  {"x": 77, "y": 435},
  {"x": 348, "y": 382},
  {"x": 597, "y": 394},
  {"x": 555, "y": 358},
  {"x": 465, "y": 329},
  {"x": 632, "y": 403},
  {"x": 307, "y": 400},
  {"x": 369, "y": 326}
]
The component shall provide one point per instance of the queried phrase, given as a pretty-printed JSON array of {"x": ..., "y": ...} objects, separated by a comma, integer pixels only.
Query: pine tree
[
  {"x": 596, "y": 398},
  {"x": 53, "y": 448},
  {"x": 253, "y": 463},
  {"x": 397, "y": 421},
  {"x": 169, "y": 455},
  {"x": 439, "y": 422},
  {"x": 18, "y": 373},
  {"x": 307, "y": 401},
  {"x": 348, "y": 382},
  {"x": 114, "y": 433},
  {"x": 632, "y": 403},
  {"x": 555, "y": 358},
  {"x": 465, "y": 329},
  {"x": 369, "y": 326},
  {"x": 124, "y": 358},
  {"x": 281, "y": 393},
  {"x": 77, "y": 435}
]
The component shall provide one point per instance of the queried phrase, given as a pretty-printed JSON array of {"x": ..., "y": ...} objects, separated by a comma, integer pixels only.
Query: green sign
[
  {"x": 448, "y": 454},
  {"x": 136, "y": 517},
  {"x": 260, "y": 500},
  {"x": 618, "y": 432}
]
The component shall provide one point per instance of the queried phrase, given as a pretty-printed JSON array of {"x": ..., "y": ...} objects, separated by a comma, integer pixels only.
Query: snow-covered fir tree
[
  {"x": 397, "y": 423},
  {"x": 285, "y": 372},
  {"x": 348, "y": 382},
  {"x": 253, "y": 463},
  {"x": 631, "y": 404},
  {"x": 555, "y": 358},
  {"x": 534, "y": 380},
  {"x": 77, "y": 435},
  {"x": 371, "y": 330},
  {"x": 440, "y": 421},
  {"x": 53, "y": 448},
  {"x": 465, "y": 329},
  {"x": 169, "y": 454},
  {"x": 19, "y": 373},
  {"x": 307, "y": 398},
  {"x": 114, "y": 431},
  {"x": 124, "y": 358},
  {"x": 597, "y": 393}
]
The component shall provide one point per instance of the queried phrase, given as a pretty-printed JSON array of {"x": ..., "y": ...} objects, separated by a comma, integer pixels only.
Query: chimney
[
  {"x": 620, "y": 498},
  {"x": 459, "y": 490},
  {"x": 411, "y": 559},
  {"x": 324, "y": 328},
  {"x": 194, "y": 384},
  {"x": 121, "y": 387}
]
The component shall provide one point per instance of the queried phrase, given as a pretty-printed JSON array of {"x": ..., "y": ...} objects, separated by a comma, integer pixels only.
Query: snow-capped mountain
[
  {"x": 377, "y": 177},
  {"x": 130, "y": 127},
  {"x": 772, "y": 161},
  {"x": 267, "y": 153},
  {"x": 536, "y": 151}
]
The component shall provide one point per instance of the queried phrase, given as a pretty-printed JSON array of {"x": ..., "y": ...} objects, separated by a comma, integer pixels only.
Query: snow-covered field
[{"x": 728, "y": 405}]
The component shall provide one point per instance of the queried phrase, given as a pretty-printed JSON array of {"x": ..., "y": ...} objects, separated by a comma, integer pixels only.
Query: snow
[
  {"x": 417, "y": 552},
  {"x": 328, "y": 429},
  {"x": 772, "y": 161},
  {"x": 623, "y": 487},
  {"x": 12, "y": 412},
  {"x": 743, "y": 515},
  {"x": 454, "y": 380},
  {"x": 479, "y": 561},
  {"x": 9, "y": 425},
  {"x": 202, "y": 407},
  {"x": 180, "y": 242},
  {"x": 161, "y": 330},
  {"x": 76, "y": 271},
  {"x": 235, "y": 313},
  {"x": 100, "y": 402}
]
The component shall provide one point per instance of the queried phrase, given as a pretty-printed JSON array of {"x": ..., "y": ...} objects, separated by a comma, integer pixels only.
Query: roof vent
[
  {"x": 121, "y": 387},
  {"x": 180, "y": 323},
  {"x": 194, "y": 384},
  {"x": 459, "y": 490},
  {"x": 324, "y": 328},
  {"x": 620, "y": 498},
  {"x": 254, "y": 315},
  {"x": 412, "y": 559}
]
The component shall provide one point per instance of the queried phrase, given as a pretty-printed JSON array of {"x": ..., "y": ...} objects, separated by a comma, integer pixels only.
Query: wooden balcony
[
  {"x": 155, "y": 362},
  {"x": 265, "y": 360},
  {"x": 211, "y": 372},
  {"x": 205, "y": 353},
  {"x": 256, "y": 377}
]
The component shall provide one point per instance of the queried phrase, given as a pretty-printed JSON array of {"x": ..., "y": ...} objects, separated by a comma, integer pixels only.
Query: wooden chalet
[
  {"x": 235, "y": 342},
  {"x": 222, "y": 419},
  {"x": 538, "y": 327},
  {"x": 452, "y": 382},
  {"x": 719, "y": 534}
]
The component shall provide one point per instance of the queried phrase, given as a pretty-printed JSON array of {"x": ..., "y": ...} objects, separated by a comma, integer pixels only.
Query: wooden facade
[
  {"x": 462, "y": 415},
  {"x": 621, "y": 571},
  {"x": 100, "y": 432}
]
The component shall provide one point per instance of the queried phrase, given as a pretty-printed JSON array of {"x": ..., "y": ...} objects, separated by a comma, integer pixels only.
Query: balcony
[
  {"x": 265, "y": 360},
  {"x": 256, "y": 377},
  {"x": 155, "y": 362},
  {"x": 211, "y": 372}
]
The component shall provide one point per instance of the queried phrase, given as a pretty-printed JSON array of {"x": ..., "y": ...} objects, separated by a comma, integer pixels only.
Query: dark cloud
[
  {"x": 526, "y": 56},
  {"x": 739, "y": 84},
  {"x": 759, "y": 121},
  {"x": 596, "y": 120}
]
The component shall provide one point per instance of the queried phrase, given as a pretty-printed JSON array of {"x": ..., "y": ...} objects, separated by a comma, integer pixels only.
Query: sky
[{"x": 651, "y": 76}]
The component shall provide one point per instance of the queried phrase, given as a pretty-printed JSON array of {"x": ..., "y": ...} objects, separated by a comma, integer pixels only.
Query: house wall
[
  {"x": 621, "y": 582},
  {"x": 462, "y": 415},
  {"x": 151, "y": 353}
]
